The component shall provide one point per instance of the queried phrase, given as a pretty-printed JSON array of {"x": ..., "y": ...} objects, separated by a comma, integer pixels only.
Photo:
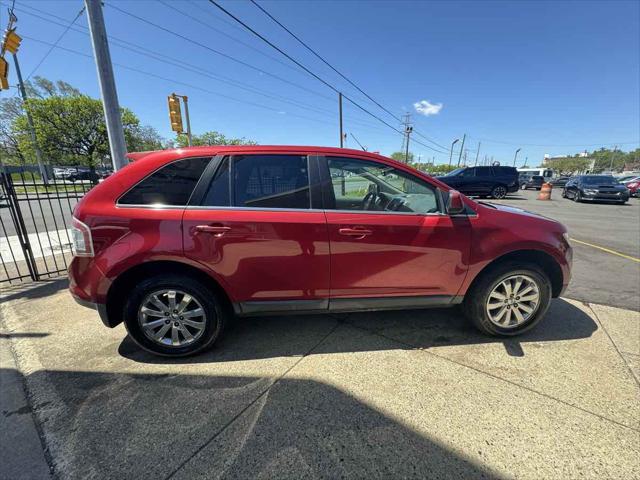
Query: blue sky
[{"x": 547, "y": 76}]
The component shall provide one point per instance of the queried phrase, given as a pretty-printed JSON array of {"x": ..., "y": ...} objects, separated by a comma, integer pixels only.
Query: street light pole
[
  {"x": 477, "y": 154},
  {"x": 451, "y": 154},
  {"x": 516, "y": 156},
  {"x": 32, "y": 131},
  {"x": 108, "y": 92},
  {"x": 464, "y": 137}
]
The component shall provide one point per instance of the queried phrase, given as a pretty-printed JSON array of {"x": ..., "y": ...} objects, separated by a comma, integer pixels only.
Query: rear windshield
[
  {"x": 170, "y": 185},
  {"x": 599, "y": 180}
]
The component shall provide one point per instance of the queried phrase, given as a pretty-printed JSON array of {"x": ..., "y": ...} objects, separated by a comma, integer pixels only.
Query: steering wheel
[{"x": 368, "y": 200}]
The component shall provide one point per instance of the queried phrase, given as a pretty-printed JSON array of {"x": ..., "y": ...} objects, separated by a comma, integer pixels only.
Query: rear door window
[
  {"x": 170, "y": 185},
  {"x": 270, "y": 181},
  {"x": 483, "y": 172}
]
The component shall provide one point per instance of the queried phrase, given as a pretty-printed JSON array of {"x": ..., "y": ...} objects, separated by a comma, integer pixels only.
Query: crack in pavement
[
  {"x": 624, "y": 360},
  {"x": 253, "y": 402},
  {"x": 478, "y": 370}
]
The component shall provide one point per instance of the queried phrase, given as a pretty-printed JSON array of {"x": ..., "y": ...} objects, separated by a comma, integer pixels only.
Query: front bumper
[{"x": 604, "y": 198}]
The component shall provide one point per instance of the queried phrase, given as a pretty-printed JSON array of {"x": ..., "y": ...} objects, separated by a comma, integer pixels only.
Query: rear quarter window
[{"x": 172, "y": 184}]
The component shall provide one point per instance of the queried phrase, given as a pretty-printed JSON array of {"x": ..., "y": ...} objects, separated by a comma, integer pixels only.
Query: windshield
[
  {"x": 599, "y": 180},
  {"x": 455, "y": 172}
]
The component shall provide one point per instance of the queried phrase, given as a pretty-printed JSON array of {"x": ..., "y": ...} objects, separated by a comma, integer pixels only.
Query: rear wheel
[
  {"x": 173, "y": 315},
  {"x": 508, "y": 300},
  {"x": 499, "y": 191}
]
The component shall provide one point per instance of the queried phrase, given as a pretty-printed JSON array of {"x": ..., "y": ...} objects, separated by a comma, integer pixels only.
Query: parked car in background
[
  {"x": 626, "y": 178},
  {"x": 603, "y": 188},
  {"x": 483, "y": 181},
  {"x": 526, "y": 172},
  {"x": 177, "y": 241},
  {"x": 632, "y": 185},
  {"x": 534, "y": 182},
  {"x": 559, "y": 181}
]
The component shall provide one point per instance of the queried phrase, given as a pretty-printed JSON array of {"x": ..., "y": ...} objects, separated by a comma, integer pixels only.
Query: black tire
[
  {"x": 577, "y": 196},
  {"x": 564, "y": 193},
  {"x": 213, "y": 308},
  {"x": 499, "y": 191},
  {"x": 477, "y": 297}
]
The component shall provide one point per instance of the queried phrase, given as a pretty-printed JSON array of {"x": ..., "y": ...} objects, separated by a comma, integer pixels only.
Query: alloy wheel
[
  {"x": 499, "y": 192},
  {"x": 513, "y": 301},
  {"x": 172, "y": 318}
]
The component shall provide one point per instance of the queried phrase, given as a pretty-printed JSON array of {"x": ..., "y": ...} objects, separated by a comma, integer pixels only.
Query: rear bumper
[{"x": 100, "y": 307}]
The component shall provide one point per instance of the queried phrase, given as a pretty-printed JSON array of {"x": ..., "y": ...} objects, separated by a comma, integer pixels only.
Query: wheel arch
[
  {"x": 116, "y": 294},
  {"x": 538, "y": 258}
]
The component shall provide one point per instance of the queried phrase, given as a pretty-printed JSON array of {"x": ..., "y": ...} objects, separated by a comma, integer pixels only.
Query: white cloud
[{"x": 427, "y": 108}]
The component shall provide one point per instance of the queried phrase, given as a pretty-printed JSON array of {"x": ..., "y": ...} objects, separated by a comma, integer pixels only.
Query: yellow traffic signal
[
  {"x": 175, "y": 115},
  {"x": 11, "y": 41},
  {"x": 4, "y": 74}
]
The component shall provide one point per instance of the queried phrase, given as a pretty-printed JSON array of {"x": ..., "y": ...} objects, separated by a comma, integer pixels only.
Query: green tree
[
  {"x": 211, "y": 138},
  {"x": 400, "y": 156},
  {"x": 71, "y": 129}
]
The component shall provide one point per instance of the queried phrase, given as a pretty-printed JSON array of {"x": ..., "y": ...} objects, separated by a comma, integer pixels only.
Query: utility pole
[
  {"x": 516, "y": 156},
  {"x": 406, "y": 155},
  {"x": 108, "y": 92},
  {"x": 407, "y": 129},
  {"x": 477, "y": 154},
  {"x": 451, "y": 154},
  {"x": 340, "y": 113},
  {"x": 11, "y": 43},
  {"x": 464, "y": 137}
]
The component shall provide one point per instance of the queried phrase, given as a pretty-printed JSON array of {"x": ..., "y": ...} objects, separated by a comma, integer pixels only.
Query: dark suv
[{"x": 483, "y": 181}]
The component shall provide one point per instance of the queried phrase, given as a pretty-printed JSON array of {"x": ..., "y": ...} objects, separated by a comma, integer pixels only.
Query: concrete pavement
[{"x": 399, "y": 394}]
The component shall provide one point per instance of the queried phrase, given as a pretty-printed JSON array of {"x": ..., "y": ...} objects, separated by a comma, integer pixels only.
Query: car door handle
[
  {"x": 217, "y": 230},
  {"x": 355, "y": 232}
]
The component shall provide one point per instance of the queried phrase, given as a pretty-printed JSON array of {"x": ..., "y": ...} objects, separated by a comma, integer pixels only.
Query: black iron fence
[{"x": 35, "y": 222}]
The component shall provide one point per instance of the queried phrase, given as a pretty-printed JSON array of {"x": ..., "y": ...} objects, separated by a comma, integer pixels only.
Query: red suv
[{"x": 179, "y": 240}]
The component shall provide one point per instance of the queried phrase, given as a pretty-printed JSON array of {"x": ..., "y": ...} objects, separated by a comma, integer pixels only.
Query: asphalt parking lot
[
  {"x": 606, "y": 277},
  {"x": 411, "y": 394}
]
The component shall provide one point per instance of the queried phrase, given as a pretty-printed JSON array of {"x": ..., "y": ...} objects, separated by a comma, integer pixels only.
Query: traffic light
[
  {"x": 11, "y": 41},
  {"x": 175, "y": 115},
  {"x": 4, "y": 74}
]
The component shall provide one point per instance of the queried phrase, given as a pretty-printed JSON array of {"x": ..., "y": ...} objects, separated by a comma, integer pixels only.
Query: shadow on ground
[
  {"x": 105, "y": 425},
  {"x": 31, "y": 291},
  {"x": 267, "y": 337}
]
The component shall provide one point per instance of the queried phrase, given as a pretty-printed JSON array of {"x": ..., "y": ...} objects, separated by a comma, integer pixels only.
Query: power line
[
  {"x": 213, "y": 50},
  {"x": 323, "y": 60},
  {"x": 324, "y": 82},
  {"x": 171, "y": 80},
  {"x": 54, "y": 43},
  {"x": 207, "y": 25},
  {"x": 161, "y": 57},
  {"x": 337, "y": 71}
]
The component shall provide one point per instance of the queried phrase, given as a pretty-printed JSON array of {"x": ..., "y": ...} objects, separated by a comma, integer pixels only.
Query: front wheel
[
  {"x": 577, "y": 196},
  {"x": 499, "y": 192},
  {"x": 508, "y": 300},
  {"x": 173, "y": 315}
]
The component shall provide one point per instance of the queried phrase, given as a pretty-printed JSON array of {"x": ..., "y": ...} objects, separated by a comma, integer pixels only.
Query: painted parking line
[{"x": 612, "y": 252}]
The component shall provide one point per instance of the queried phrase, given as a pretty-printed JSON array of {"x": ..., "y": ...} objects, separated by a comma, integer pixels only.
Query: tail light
[
  {"x": 633, "y": 185},
  {"x": 82, "y": 241}
]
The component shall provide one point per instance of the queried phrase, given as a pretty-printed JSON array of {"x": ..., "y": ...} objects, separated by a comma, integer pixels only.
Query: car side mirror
[{"x": 455, "y": 205}]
